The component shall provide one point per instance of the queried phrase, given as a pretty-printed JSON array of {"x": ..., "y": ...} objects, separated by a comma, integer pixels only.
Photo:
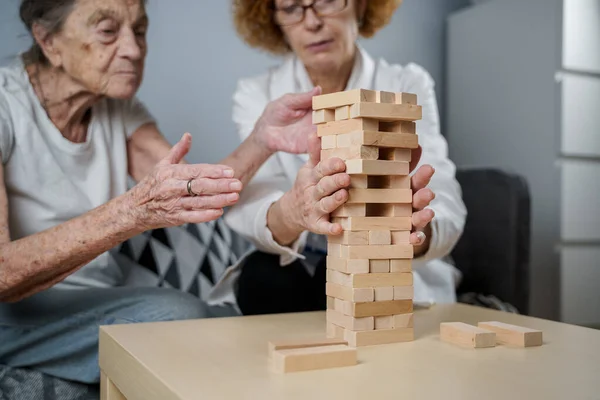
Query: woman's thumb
[{"x": 179, "y": 151}]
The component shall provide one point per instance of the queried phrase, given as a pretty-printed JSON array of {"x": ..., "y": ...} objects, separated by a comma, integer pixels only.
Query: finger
[
  {"x": 301, "y": 101},
  {"x": 331, "y": 184},
  {"x": 415, "y": 158},
  {"x": 329, "y": 204},
  {"x": 422, "y": 198},
  {"x": 194, "y": 171},
  {"x": 421, "y": 219},
  {"x": 178, "y": 151},
  {"x": 330, "y": 166},
  {"x": 314, "y": 149},
  {"x": 417, "y": 238},
  {"x": 324, "y": 227},
  {"x": 209, "y": 202},
  {"x": 199, "y": 216},
  {"x": 422, "y": 177},
  {"x": 206, "y": 186}
]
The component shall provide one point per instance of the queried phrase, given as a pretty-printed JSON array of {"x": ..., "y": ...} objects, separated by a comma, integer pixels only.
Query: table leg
[{"x": 108, "y": 390}]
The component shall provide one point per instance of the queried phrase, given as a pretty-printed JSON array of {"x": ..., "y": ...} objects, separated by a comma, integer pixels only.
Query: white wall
[{"x": 196, "y": 58}]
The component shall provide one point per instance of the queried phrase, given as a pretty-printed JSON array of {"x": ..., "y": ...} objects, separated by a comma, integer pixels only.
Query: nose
[
  {"x": 312, "y": 20},
  {"x": 130, "y": 47}
]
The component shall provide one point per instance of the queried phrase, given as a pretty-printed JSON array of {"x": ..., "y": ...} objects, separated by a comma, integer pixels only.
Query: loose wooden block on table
[
  {"x": 349, "y": 266},
  {"x": 374, "y": 223},
  {"x": 370, "y": 280},
  {"x": 351, "y": 153},
  {"x": 386, "y": 112},
  {"x": 379, "y": 266},
  {"x": 376, "y": 167},
  {"x": 337, "y": 128},
  {"x": 513, "y": 334},
  {"x": 466, "y": 335},
  {"x": 378, "y": 139},
  {"x": 356, "y": 295},
  {"x": 380, "y": 196},
  {"x": 312, "y": 358},
  {"x": 303, "y": 343}
]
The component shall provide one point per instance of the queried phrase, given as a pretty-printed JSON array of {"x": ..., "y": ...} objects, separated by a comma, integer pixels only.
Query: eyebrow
[{"x": 99, "y": 15}]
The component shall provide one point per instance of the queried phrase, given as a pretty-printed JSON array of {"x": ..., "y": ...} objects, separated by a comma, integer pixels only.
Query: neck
[
  {"x": 66, "y": 102},
  {"x": 332, "y": 79}
]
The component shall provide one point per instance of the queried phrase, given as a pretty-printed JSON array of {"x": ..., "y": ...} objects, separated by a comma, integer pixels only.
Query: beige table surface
[{"x": 226, "y": 358}]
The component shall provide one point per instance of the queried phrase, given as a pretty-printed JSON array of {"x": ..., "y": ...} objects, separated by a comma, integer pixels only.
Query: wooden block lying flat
[
  {"x": 334, "y": 250},
  {"x": 351, "y": 153},
  {"x": 400, "y": 265},
  {"x": 381, "y": 237},
  {"x": 513, "y": 334},
  {"x": 395, "y": 154},
  {"x": 348, "y": 266},
  {"x": 384, "y": 293},
  {"x": 379, "y": 266},
  {"x": 379, "y": 308},
  {"x": 329, "y": 142},
  {"x": 385, "y": 97},
  {"x": 312, "y": 358},
  {"x": 404, "y": 292},
  {"x": 322, "y": 116},
  {"x": 378, "y": 252},
  {"x": 400, "y": 321},
  {"x": 338, "y": 99},
  {"x": 379, "y": 139},
  {"x": 347, "y": 126},
  {"x": 378, "y": 196},
  {"x": 398, "y": 127},
  {"x": 371, "y": 280},
  {"x": 466, "y": 335},
  {"x": 303, "y": 343},
  {"x": 351, "y": 210},
  {"x": 386, "y": 112},
  {"x": 397, "y": 237},
  {"x": 346, "y": 321},
  {"x": 374, "y": 223},
  {"x": 400, "y": 182},
  {"x": 385, "y": 322},
  {"x": 342, "y": 113},
  {"x": 356, "y": 295},
  {"x": 405, "y": 98},
  {"x": 376, "y": 167},
  {"x": 351, "y": 238},
  {"x": 382, "y": 336}
]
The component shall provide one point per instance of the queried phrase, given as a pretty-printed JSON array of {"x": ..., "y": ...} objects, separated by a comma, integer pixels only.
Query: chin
[{"x": 123, "y": 90}]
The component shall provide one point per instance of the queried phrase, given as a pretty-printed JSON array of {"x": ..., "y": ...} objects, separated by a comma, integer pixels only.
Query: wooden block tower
[{"x": 369, "y": 274}]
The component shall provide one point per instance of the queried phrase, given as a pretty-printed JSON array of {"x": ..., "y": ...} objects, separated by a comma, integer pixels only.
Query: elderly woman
[
  {"x": 281, "y": 205},
  {"x": 71, "y": 131}
]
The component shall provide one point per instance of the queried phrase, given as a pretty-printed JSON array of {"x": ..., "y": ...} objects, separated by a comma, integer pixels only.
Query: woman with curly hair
[{"x": 285, "y": 209}]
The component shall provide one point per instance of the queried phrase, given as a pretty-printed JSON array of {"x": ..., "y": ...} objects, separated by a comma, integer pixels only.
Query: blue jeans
[{"x": 56, "y": 331}]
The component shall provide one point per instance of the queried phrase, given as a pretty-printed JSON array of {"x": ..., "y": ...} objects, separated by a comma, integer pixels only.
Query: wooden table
[{"x": 226, "y": 358}]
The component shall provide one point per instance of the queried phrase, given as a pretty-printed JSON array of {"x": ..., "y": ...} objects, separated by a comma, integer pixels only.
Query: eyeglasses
[{"x": 293, "y": 12}]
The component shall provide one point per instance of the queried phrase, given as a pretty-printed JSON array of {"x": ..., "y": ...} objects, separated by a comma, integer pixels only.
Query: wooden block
[
  {"x": 376, "y": 167},
  {"x": 404, "y": 292},
  {"x": 380, "y": 252},
  {"x": 329, "y": 142},
  {"x": 379, "y": 139},
  {"x": 338, "y": 99},
  {"x": 402, "y": 210},
  {"x": 374, "y": 223},
  {"x": 385, "y": 97},
  {"x": 384, "y": 293},
  {"x": 359, "y": 181},
  {"x": 379, "y": 266},
  {"x": 512, "y": 334},
  {"x": 313, "y": 358},
  {"x": 398, "y": 265},
  {"x": 395, "y": 154},
  {"x": 349, "y": 322},
  {"x": 350, "y": 238},
  {"x": 347, "y": 126},
  {"x": 378, "y": 196},
  {"x": 348, "y": 266},
  {"x": 370, "y": 280},
  {"x": 381, "y": 336},
  {"x": 378, "y": 308},
  {"x": 386, "y": 112},
  {"x": 303, "y": 343},
  {"x": 406, "y": 127},
  {"x": 397, "y": 237},
  {"x": 350, "y": 210},
  {"x": 355, "y": 295},
  {"x": 466, "y": 335},
  {"x": 322, "y": 116},
  {"x": 405, "y": 98},
  {"x": 334, "y": 332},
  {"x": 334, "y": 250},
  {"x": 380, "y": 237},
  {"x": 351, "y": 153},
  {"x": 384, "y": 322},
  {"x": 402, "y": 321},
  {"x": 399, "y": 182},
  {"x": 342, "y": 113},
  {"x": 330, "y": 303}
]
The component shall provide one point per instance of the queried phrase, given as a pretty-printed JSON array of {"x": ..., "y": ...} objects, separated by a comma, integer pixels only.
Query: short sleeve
[
  {"x": 135, "y": 115},
  {"x": 7, "y": 136}
]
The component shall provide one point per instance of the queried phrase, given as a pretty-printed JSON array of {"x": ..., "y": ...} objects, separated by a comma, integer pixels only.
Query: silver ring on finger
[{"x": 189, "y": 189}]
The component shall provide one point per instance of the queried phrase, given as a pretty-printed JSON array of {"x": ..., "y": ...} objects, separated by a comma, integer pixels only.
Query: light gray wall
[{"x": 196, "y": 58}]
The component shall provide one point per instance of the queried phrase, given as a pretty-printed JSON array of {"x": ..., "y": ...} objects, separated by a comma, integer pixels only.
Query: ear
[{"x": 47, "y": 43}]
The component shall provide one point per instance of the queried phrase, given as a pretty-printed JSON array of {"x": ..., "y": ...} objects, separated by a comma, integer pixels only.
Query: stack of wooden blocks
[{"x": 369, "y": 272}]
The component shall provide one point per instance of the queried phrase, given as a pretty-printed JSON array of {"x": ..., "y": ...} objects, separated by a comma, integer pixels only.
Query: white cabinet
[{"x": 523, "y": 94}]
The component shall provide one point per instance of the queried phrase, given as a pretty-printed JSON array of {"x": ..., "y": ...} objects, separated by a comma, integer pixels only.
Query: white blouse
[{"x": 435, "y": 278}]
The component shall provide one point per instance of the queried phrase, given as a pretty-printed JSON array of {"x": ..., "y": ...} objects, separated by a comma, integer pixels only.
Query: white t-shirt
[{"x": 49, "y": 179}]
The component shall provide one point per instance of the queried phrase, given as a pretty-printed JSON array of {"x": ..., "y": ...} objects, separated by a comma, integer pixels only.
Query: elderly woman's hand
[
  {"x": 174, "y": 194},
  {"x": 422, "y": 197},
  {"x": 286, "y": 123}
]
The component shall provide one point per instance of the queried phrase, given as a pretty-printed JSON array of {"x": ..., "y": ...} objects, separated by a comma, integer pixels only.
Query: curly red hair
[{"x": 255, "y": 24}]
